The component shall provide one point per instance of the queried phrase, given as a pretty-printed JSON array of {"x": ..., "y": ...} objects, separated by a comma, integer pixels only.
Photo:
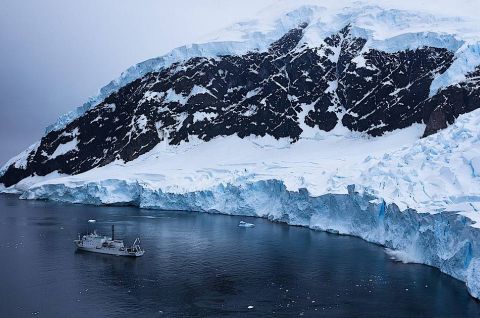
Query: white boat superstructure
[{"x": 96, "y": 243}]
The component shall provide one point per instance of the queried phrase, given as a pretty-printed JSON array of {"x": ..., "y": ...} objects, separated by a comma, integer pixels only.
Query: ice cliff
[{"x": 443, "y": 240}]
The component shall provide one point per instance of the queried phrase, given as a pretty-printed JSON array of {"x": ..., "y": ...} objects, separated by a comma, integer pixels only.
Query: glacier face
[{"x": 442, "y": 240}]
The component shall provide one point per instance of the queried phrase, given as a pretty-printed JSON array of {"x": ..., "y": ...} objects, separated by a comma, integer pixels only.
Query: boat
[{"x": 96, "y": 243}]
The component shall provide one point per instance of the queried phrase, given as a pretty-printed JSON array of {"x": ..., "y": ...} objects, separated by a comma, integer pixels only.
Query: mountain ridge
[
  {"x": 387, "y": 29},
  {"x": 287, "y": 90}
]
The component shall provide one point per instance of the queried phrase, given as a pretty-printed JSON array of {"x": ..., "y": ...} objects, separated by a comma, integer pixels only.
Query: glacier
[
  {"x": 417, "y": 197},
  {"x": 467, "y": 58},
  {"x": 433, "y": 174}
]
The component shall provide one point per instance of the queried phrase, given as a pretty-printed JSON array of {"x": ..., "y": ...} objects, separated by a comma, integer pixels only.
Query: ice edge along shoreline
[{"x": 443, "y": 240}]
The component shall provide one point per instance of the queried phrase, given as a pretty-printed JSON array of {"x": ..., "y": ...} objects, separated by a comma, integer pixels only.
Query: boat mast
[{"x": 113, "y": 232}]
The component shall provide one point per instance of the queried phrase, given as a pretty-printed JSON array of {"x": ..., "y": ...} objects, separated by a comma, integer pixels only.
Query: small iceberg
[
  {"x": 245, "y": 224},
  {"x": 92, "y": 221}
]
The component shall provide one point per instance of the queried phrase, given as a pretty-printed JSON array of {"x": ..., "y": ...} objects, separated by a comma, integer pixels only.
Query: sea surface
[{"x": 204, "y": 265}]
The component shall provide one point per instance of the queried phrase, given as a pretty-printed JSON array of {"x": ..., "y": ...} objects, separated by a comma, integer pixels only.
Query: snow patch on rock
[
  {"x": 64, "y": 148},
  {"x": 199, "y": 116},
  {"x": 20, "y": 160}
]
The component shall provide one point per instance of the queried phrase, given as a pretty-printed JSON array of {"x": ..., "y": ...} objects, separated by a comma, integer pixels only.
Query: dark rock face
[
  {"x": 279, "y": 92},
  {"x": 443, "y": 108},
  {"x": 383, "y": 94}
]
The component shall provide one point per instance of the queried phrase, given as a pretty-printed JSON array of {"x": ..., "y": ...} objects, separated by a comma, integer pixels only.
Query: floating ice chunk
[
  {"x": 92, "y": 221},
  {"x": 245, "y": 224}
]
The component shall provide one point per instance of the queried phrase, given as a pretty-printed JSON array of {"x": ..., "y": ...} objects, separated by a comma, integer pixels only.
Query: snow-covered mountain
[{"x": 359, "y": 120}]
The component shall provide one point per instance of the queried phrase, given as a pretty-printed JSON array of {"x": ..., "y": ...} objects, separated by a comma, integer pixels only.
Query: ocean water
[{"x": 204, "y": 265}]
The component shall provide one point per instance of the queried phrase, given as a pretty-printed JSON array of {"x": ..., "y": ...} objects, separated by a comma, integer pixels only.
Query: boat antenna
[{"x": 113, "y": 232}]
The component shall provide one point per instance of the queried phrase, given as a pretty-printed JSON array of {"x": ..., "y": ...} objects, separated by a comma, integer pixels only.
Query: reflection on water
[{"x": 199, "y": 264}]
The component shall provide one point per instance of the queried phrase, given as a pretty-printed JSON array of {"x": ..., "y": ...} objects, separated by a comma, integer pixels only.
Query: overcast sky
[{"x": 54, "y": 54}]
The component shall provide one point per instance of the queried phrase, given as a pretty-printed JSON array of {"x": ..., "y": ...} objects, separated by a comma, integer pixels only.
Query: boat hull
[{"x": 109, "y": 251}]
